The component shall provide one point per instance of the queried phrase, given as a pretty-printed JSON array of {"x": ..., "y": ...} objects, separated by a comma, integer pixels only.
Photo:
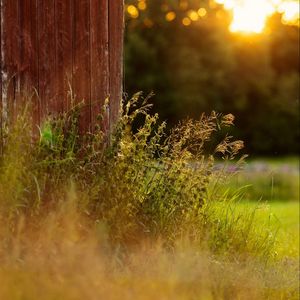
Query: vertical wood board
[{"x": 53, "y": 51}]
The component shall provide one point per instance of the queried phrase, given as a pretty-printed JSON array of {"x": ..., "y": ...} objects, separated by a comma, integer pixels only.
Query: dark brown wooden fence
[{"x": 52, "y": 47}]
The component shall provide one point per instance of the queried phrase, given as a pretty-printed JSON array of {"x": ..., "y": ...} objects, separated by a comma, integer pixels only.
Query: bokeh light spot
[
  {"x": 170, "y": 16},
  {"x": 186, "y": 21},
  {"x": 133, "y": 11}
]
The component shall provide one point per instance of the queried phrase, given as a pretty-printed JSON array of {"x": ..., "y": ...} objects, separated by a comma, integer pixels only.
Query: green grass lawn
[
  {"x": 271, "y": 186},
  {"x": 272, "y": 180},
  {"x": 284, "y": 216}
]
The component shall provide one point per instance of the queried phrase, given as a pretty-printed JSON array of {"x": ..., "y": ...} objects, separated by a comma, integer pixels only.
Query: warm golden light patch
[
  {"x": 133, "y": 11},
  {"x": 186, "y": 21},
  {"x": 290, "y": 11},
  {"x": 142, "y": 5},
  {"x": 170, "y": 16},
  {"x": 250, "y": 16},
  {"x": 202, "y": 12},
  {"x": 228, "y": 4},
  {"x": 193, "y": 15}
]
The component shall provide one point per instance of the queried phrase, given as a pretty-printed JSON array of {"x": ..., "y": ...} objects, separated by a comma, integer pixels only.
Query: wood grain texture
[
  {"x": 57, "y": 46},
  {"x": 64, "y": 52},
  {"x": 47, "y": 57},
  {"x": 99, "y": 59},
  {"x": 10, "y": 56},
  {"x": 29, "y": 55},
  {"x": 81, "y": 60},
  {"x": 116, "y": 27},
  {"x": 1, "y": 103}
]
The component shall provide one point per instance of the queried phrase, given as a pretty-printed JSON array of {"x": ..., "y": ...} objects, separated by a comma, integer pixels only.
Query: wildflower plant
[
  {"x": 68, "y": 195},
  {"x": 139, "y": 182}
]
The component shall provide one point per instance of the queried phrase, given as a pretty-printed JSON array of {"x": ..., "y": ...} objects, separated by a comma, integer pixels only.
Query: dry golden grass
[
  {"x": 141, "y": 219},
  {"x": 61, "y": 256}
]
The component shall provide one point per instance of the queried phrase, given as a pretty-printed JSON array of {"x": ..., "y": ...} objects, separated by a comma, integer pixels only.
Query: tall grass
[
  {"x": 269, "y": 180},
  {"x": 137, "y": 214}
]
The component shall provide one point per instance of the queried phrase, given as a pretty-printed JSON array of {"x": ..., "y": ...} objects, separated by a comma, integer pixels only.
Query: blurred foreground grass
[
  {"x": 134, "y": 218},
  {"x": 61, "y": 257}
]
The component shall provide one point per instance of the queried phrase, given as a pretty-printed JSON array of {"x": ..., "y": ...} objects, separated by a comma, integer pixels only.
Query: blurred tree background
[{"x": 185, "y": 53}]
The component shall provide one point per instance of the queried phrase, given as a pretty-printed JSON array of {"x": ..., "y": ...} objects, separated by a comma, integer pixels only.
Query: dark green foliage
[{"x": 203, "y": 67}]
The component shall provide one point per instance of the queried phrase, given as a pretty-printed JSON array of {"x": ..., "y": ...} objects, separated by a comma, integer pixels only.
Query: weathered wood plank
[
  {"x": 99, "y": 59},
  {"x": 29, "y": 55},
  {"x": 47, "y": 57},
  {"x": 81, "y": 59},
  {"x": 1, "y": 104},
  {"x": 55, "y": 45},
  {"x": 29, "y": 43},
  {"x": 10, "y": 56},
  {"x": 116, "y": 27},
  {"x": 64, "y": 52}
]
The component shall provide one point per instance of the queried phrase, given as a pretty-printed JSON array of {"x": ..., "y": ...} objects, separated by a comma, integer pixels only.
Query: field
[
  {"x": 111, "y": 194},
  {"x": 56, "y": 263},
  {"x": 266, "y": 179},
  {"x": 138, "y": 220},
  {"x": 272, "y": 189},
  {"x": 285, "y": 217}
]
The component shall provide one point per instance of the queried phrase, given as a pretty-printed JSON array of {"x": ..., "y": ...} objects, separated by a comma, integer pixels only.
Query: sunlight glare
[
  {"x": 290, "y": 11},
  {"x": 250, "y": 16}
]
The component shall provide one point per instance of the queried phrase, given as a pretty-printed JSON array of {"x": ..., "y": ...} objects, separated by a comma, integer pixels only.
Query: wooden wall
[{"x": 52, "y": 47}]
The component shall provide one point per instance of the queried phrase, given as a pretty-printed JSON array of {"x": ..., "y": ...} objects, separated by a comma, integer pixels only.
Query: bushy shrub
[
  {"x": 137, "y": 182},
  {"x": 98, "y": 203}
]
